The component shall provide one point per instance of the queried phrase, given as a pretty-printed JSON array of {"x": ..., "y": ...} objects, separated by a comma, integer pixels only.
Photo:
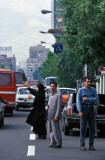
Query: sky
[{"x": 20, "y": 23}]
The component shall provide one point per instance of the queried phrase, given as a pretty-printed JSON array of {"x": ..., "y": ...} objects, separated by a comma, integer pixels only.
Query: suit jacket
[{"x": 55, "y": 105}]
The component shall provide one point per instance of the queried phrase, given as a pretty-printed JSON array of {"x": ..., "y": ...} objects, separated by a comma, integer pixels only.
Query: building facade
[
  {"x": 37, "y": 54},
  {"x": 57, "y": 19},
  {"x": 8, "y": 62}
]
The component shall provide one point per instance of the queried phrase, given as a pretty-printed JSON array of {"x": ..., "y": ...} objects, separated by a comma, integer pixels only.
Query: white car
[
  {"x": 24, "y": 98},
  {"x": 1, "y": 112}
]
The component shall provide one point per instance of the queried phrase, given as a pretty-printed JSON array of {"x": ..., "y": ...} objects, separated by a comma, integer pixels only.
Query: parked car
[
  {"x": 47, "y": 94},
  {"x": 34, "y": 82},
  {"x": 70, "y": 117},
  {"x": 100, "y": 116},
  {"x": 65, "y": 94},
  {"x": 24, "y": 98},
  {"x": 2, "y": 112}
]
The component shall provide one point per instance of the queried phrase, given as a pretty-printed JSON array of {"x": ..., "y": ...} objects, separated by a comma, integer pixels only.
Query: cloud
[{"x": 20, "y": 23}]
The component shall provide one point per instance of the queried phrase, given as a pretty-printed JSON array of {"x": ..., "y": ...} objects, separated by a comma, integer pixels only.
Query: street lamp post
[
  {"x": 49, "y": 32},
  {"x": 47, "y": 11},
  {"x": 53, "y": 30},
  {"x": 58, "y": 47},
  {"x": 43, "y": 42}
]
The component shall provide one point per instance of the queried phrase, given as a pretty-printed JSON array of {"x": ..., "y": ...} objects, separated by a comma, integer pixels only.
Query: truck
[
  {"x": 48, "y": 80},
  {"x": 8, "y": 89}
]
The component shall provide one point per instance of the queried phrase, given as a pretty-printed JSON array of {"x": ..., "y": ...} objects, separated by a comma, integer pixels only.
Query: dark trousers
[
  {"x": 88, "y": 116},
  {"x": 40, "y": 129}
]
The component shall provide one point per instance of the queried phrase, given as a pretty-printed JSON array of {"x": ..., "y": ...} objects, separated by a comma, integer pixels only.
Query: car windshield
[
  {"x": 66, "y": 91},
  {"x": 50, "y": 80},
  {"x": 23, "y": 91}
]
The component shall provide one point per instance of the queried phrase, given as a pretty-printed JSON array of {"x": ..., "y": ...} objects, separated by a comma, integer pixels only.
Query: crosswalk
[{"x": 31, "y": 148}]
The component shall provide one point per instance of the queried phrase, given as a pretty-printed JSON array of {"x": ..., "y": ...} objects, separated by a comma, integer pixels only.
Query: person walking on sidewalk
[
  {"x": 54, "y": 114},
  {"x": 86, "y": 97}
]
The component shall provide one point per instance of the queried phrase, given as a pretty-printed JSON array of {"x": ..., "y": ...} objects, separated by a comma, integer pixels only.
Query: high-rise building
[
  {"x": 8, "y": 62},
  {"x": 37, "y": 54},
  {"x": 57, "y": 19},
  {"x": 6, "y": 50}
]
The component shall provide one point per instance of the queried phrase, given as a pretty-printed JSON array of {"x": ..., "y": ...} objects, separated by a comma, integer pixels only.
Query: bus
[
  {"x": 8, "y": 89},
  {"x": 48, "y": 80},
  {"x": 20, "y": 77}
]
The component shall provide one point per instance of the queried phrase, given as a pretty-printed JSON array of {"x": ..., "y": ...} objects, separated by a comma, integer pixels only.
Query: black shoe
[
  {"x": 52, "y": 145},
  {"x": 58, "y": 146},
  {"x": 91, "y": 148},
  {"x": 83, "y": 148}
]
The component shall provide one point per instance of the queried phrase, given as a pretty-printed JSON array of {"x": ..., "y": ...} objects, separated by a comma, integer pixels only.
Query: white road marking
[
  {"x": 31, "y": 151},
  {"x": 32, "y": 137}
]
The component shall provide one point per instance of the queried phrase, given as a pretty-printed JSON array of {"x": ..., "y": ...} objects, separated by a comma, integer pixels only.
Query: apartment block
[{"x": 37, "y": 54}]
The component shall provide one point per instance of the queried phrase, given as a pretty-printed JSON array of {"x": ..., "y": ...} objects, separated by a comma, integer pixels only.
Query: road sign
[{"x": 58, "y": 48}]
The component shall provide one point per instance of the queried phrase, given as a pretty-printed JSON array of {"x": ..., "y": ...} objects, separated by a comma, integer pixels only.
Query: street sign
[{"x": 58, "y": 48}]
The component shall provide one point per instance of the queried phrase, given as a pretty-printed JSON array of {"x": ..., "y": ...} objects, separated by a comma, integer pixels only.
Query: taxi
[{"x": 24, "y": 98}]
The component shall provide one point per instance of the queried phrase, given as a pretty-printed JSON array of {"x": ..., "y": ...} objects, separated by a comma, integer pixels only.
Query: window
[
  {"x": 60, "y": 26},
  {"x": 23, "y": 91},
  {"x": 5, "y": 79},
  {"x": 59, "y": 17},
  {"x": 59, "y": 9}
]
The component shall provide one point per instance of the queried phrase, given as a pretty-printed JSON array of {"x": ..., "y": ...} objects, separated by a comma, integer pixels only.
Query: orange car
[{"x": 65, "y": 94}]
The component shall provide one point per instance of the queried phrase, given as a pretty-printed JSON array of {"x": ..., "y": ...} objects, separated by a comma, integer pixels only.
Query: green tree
[
  {"x": 2, "y": 66},
  {"x": 84, "y": 23},
  {"x": 49, "y": 67},
  {"x": 70, "y": 69},
  {"x": 37, "y": 75}
]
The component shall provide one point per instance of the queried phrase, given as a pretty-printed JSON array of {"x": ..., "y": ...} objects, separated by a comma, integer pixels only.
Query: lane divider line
[
  {"x": 31, "y": 151},
  {"x": 32, "y": 137},
  {"x": 31, "y": 128}
]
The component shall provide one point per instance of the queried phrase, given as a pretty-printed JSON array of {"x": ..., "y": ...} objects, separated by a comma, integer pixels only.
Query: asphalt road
[{"x": 17, "y": 142}]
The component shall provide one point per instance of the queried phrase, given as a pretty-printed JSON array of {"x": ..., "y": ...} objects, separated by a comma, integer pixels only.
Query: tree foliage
[
  {"x": 37, "y": 75},
  {"x": 83, "y": 42},
  {"x": 70, "y": 69},
  {"x": 84, "y": 23},
  {"x": 49, "y": 67}
]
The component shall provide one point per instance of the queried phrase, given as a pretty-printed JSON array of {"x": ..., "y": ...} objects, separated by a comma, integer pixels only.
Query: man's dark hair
[
  {"x": 84, "y": 79},
  {"x": 53, "y": 83}
]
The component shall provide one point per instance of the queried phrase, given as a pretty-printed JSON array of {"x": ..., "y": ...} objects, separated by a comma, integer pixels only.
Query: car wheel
[
  {"x": 62, "y": 123},
  {"x": 2, "y": 121},
  {"x": 11, "y": 112},
  {"x": 16, "y": 108},
  {"x": 66, "y": 127},
  {"x": 102, "y": 131}
]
